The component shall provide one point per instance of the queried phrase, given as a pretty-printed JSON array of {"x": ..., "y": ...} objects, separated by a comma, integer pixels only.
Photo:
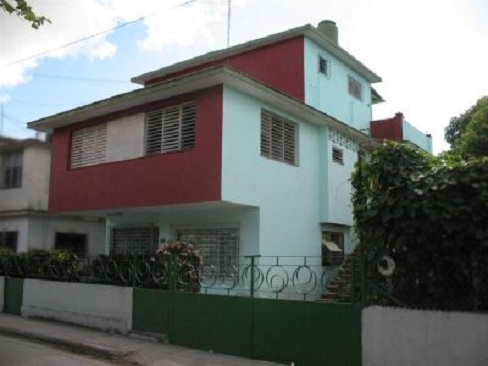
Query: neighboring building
[
  {"x": 24, "y": 220},
  {"x": 398, "y": 129},
  {"x": 246, "y": 150}
]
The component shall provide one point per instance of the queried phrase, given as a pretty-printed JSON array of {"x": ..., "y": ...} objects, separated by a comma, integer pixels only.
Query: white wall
[
  {"x": 287, "y": 196},
  {"x": 38, "y": 232},
  {"x": 400, "y": 337},
  {"x": 330, "y": 93},
  {"x": 33, "y": 193},
  {"x": 99, "y": 306}
]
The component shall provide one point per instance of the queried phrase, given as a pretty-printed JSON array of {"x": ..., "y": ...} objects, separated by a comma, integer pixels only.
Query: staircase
[{"x": 339, "y": 286}]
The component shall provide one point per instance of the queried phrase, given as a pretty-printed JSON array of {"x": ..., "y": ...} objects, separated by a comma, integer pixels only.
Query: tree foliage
[
  {"x": 431, "y": 217},
  {"x": 468, "y": 133},
  {"x": 23, "y": 10}
]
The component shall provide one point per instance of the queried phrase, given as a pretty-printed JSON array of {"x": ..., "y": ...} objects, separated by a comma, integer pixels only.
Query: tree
[
  {"x": 22, "y": 9},
  {"x": 468, "y": 132},
  {"x": 428, "y": 217}
]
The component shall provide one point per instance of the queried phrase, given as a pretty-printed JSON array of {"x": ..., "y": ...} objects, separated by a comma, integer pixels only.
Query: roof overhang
[
  {"x": 220, "y": 75},
  {"x": 306, "y": 31},
  {"x": 17, "y": 144}
]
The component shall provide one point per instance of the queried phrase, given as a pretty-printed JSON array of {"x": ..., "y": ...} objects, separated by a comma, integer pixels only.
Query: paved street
[
  {"x": 15, "y": 351},
  {"x": 21, "y": 352}
]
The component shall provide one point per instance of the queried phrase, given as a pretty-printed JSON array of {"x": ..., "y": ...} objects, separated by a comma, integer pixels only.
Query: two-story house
[
  {"x": 246, "y": 150},
  {"x": 24, "y": 220}
]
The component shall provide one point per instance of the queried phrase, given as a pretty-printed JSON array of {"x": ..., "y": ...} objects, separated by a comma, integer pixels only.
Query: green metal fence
[
  {"x": 14, "y": 288},
  {"x": 303, "y": 332}
]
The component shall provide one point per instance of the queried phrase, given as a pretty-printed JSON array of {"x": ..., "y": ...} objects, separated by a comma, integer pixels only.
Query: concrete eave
[
  {"x": 306, "y": 31},
  {"x": 14, "y": 144},
  {"x": 220, "y": 75}
]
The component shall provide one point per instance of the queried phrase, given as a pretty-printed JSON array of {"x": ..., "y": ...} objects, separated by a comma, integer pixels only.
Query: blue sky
[{"x": 432, "y": 55}]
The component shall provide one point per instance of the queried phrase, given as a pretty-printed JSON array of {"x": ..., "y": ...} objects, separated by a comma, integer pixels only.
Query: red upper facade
[
  {"x": 279, "y": 65},
  {"x": 180, "y": 177}
]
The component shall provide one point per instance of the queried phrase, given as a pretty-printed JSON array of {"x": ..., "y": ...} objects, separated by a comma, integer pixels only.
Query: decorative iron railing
[{"x": 279, "y": 277}]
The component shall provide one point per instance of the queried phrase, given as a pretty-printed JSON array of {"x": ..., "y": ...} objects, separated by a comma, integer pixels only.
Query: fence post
[
  {"x": 251, "y": 294},
  {"x": 363, "y": 269}
]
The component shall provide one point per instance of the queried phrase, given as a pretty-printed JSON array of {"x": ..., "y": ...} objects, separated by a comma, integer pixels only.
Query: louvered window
[
  {"x": 170, "y": 129},
  {"x": 278, "y": 138},
  {"x": 354, "y": 87},
  {"x": 323, "y": 66},
  {"x": 337, "y": 155},
  {"x": 88, "y": 146}
]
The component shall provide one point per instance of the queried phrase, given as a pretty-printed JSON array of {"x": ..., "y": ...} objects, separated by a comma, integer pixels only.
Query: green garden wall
[
  {"x": 307, "y": 333},
  {"x": 13, "y": 295}
]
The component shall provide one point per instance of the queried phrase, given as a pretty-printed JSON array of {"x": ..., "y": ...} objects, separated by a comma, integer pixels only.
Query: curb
[{"x": 74, "y": 346}]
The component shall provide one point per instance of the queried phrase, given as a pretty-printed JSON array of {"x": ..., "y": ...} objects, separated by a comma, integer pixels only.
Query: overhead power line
[
  {"x": 188, "y": 2},
  {"x": 78, "y": 78}
]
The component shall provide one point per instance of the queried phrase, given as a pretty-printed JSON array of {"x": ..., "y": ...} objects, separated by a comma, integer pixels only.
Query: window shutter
[
  {"x": 278, "y": 138},
  {"x": 154, "y": 132},
  {"x": 88, "y": 146},
  {"x": 170, "y": 129}
]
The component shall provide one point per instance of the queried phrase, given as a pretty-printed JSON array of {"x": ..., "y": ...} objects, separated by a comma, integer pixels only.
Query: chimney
[{"x": 329, "y": 29}]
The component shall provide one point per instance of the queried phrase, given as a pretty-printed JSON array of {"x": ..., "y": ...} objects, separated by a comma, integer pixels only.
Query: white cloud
[
  {"x": 4, "y": 98},
  {"x": 169, "y": 22},
  {"x": 71, "y": 20},
  {"x": 183, "y": 26}
]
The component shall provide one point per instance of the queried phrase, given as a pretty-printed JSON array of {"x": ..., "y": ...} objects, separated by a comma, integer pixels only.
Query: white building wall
[
  {"x": 402, "y": 337},
  {"x": 329, "y": 93},
  {"x": 42, "y": 232},
  {"x": 21, "y": 226},
  {"x": 33, "y": 194},
  {"x": 99, "y": 306},
  {"x": 287, "y": 196}
]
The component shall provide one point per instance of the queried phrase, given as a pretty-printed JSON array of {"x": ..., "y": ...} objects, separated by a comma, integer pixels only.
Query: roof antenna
[{"x": 229, "y": 14}]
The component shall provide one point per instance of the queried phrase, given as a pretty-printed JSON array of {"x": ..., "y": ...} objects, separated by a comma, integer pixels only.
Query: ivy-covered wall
[{"x": 422, "y": 222}]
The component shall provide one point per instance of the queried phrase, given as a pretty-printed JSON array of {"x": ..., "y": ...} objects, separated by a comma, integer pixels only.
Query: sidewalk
[{"x": 113, "y": 346}]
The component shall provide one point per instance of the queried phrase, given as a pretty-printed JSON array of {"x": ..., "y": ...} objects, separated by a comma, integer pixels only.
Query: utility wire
[
  {"x": 188, "y": 2},
  {"x": 77, "y": 78}
]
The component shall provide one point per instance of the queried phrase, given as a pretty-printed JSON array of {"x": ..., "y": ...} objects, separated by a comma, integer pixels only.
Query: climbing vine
[{"x": 428, "y": 218}]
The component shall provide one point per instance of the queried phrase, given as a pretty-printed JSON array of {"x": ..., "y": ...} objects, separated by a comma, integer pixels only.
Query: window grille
[
  {"x": 218, "y": 246},
  {"x": 278, "y": 138},
  {"x": 88, "y": 146},
  {"x": 337, "y": 155},
  {"x": 137, "y": 240},
  {"x": 12, "y": 171},
  {"x": 354, "y": 87},
  {"x": 170, "y": 129}
]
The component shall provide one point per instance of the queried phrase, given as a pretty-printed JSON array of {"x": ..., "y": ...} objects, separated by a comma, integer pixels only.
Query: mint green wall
[
  {"x": 287, "y": 196},
  {"x": 330, "y": 93},
  {"x": 339, "y": 187},
  {"x": 410, "y": 133}
]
